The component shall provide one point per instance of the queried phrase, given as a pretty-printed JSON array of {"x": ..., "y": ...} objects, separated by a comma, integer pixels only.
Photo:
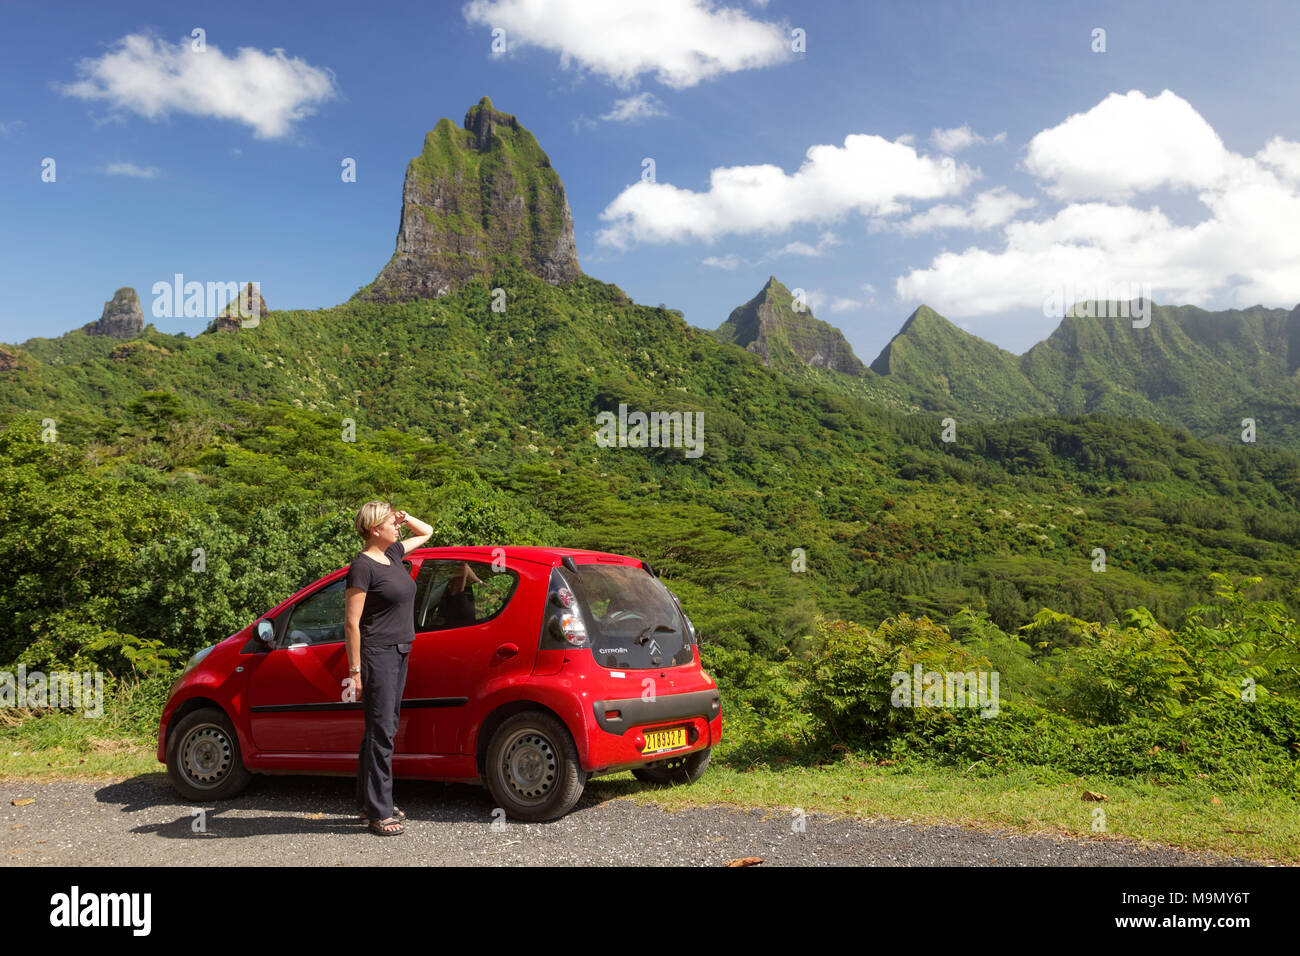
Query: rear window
[{"x": 634, "y": 621}]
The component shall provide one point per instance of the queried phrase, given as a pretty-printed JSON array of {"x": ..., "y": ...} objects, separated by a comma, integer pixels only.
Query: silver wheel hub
[
  {"x": 530, "y": 766},
  {"x": 207, "y": 755}
]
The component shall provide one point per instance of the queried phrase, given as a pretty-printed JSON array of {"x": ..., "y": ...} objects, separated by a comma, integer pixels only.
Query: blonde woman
[{"x": 378, "y": 630}]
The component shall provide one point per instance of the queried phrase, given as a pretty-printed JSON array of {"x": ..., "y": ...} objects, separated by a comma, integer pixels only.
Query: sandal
[
  {"x": 398, "y": 815},
  {"x": 384, "y": 827}
]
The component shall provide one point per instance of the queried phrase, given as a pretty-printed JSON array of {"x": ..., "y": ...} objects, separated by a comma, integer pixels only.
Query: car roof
[{"x": 540, "y": 555}]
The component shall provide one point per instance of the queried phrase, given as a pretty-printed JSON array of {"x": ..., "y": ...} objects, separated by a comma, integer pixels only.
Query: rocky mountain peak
[
  {"x": 249, "y": 307},
  {"x": 773, "y": 323},
  {"x": 481, "y": 119},
  {"x": 477, "y": 199},
  {"x": 122, "y": 317}
]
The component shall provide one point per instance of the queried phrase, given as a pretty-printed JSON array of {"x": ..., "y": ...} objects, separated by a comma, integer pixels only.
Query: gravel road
[{"x": 307, "y": 821}]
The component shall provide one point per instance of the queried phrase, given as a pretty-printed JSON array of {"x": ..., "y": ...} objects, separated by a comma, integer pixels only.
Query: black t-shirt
[{"x": 388, "y": 616}]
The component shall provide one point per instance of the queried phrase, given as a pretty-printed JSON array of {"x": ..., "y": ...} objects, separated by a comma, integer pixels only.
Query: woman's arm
[
  {"x": 422, "y": 531},
  {"x": 356, "y": 601}
]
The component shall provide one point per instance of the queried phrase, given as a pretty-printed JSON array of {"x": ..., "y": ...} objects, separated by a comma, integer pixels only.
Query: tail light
[
  {"x": 567, "y": 623},
  {"x": 572, "y": 627}
]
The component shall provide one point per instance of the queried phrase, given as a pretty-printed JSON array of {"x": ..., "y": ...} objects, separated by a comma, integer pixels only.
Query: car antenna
[{"x": 569, "y": 563}]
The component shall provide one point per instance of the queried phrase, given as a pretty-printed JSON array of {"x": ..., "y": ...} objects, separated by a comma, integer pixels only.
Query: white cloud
[
  {"x": 955, "y": 140},
  {"x": 729, "y": 262},
  {"x": 131, "y": 169},
  {"x": 1283, "y": 157},
  {"x": 638, "y": 107},
  {"x": 824, "y": 242},
  {"x": 1128, "y": 144},
  {"x": 10, "y": 128},
  {"x": 987, "y": 211},
  {"x": 1245, "y": 249},
  {"x": 153, "y": 78},
  {"x": 848, "y": 304},
  {"x": 867, "y": 175},
  {"x": 679, "y": 42}
]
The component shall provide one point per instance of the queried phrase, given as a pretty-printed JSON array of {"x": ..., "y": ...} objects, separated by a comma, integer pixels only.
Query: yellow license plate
[{"x": 657, "y": 740}]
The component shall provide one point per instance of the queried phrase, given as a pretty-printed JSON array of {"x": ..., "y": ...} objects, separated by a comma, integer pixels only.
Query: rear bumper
[
  {"x": 635, "y": 711},
  {"x": 611, "y": 743}
]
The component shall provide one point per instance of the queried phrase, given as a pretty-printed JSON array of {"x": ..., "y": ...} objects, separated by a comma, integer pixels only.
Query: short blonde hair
[{"x": 372, "y": 513}]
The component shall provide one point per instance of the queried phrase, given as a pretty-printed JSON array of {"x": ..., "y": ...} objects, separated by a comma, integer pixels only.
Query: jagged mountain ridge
[{"x": 1192, "y": 368}]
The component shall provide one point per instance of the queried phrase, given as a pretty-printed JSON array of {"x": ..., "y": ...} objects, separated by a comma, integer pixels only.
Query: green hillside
[
  {"x": 891, "y": 517},
  {"x": 947, "y": 370}
]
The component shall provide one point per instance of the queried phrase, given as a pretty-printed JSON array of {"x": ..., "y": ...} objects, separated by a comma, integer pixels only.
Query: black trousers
[{"x": 383, "y": 676}]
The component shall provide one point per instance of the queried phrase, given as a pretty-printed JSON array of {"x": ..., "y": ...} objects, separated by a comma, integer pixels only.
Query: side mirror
[{"x": 266, "y": 633}]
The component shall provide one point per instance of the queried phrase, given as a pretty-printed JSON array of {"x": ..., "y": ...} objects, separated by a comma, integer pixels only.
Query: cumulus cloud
[
  {"x": 1125, "y": 145},
  {"x": 153, "y": 78},
  {"x": 638, "y": 107},
  {"x": 131, "y": 169},
  {"x": 679, "y": 42},
  {"x": 867, "y": 175},
  {"x": 988, "y": 210},
  {"x": 1244, "y": 250},
  {"x": 729, "y": 262},
  {"x": 955, "y": 140}
]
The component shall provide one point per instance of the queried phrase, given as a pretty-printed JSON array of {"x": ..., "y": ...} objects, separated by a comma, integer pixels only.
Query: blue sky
[{"x": 975, "y": 157}]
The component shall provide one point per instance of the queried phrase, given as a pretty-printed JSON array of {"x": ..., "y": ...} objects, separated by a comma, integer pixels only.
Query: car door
[
  {"x": 468, "y": 631},
  {"x": 297, "y": 699}
]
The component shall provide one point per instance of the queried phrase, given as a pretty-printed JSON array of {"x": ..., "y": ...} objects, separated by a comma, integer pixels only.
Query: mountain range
[
  {"x": 1188, "y": 368},
  {"x": 484, "y": 197}
]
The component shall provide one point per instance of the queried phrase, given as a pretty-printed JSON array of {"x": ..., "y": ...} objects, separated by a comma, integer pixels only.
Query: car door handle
[{"x": 507, "y": 650}]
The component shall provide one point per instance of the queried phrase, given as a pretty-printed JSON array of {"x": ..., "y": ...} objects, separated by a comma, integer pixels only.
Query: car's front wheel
[
  {"x": 532, "y": 767},
  {"x": 203, "y": 760},
  {"x": 680, "y": 770}
]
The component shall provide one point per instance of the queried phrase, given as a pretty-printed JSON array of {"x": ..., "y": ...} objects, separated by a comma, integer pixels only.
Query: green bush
[{"x": 1245, "y": 745}]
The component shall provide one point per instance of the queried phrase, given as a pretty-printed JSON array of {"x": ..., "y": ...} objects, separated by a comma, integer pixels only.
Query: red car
[{"x": 555, "y": 666}]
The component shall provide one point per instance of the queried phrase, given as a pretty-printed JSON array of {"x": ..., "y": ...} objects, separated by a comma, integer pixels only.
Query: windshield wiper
[{"x": 642, "y": 638}]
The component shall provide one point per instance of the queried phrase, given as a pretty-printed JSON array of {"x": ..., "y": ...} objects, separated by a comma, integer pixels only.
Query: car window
[
  {"x": 460, "y": 593},
  {"x": 318, "y": 618},
  {"x": 624, "y": 600}
]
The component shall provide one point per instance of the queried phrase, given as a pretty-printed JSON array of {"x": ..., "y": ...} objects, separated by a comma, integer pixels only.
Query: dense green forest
[{"x": 159, "y": 493}]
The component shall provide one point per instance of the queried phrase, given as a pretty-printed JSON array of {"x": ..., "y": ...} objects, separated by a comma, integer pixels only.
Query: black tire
[
  {"x": 675, "y": 770},
  {"x": 532, "y": 768},
  {"x": 203, "y": 758}
]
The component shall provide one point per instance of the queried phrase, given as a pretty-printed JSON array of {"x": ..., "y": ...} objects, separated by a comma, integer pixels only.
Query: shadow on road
[{"x": 306, "y": 804}]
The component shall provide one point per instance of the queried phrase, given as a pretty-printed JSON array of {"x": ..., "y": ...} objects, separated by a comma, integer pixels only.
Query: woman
[{"x": 378, "y": 631}]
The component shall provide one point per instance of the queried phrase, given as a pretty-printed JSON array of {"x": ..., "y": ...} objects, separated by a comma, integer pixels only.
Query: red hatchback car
[{"x": 556, "y": 666}]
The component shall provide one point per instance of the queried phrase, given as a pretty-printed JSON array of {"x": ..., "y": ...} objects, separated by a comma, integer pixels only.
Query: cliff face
[
  {"x": 121, "y": 318},
  {"x": 477, "y": 199},
  {"x": 773, "y": 329}
]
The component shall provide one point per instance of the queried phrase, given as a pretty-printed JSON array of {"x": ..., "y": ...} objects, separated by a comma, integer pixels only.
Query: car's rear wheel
[
  {"x": 675, "y": 770},
  {"x": 203, "y": 759},
  {"x": 532, "y": 767}
]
